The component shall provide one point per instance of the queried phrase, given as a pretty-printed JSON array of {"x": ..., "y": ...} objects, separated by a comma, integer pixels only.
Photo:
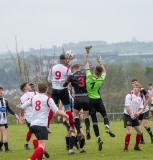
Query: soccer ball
[{"x": 69, "y": 55}]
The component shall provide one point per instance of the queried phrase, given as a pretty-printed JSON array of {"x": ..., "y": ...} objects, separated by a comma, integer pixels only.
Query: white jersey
[
  {"x": 134, "y": 102},
  {"x": 4, "y": 108},
  {"x": 142, "y": 94},
  {"x": 151, "y": 94},
  {"x": 58, "y": 75},
  {"x": 41, "y": 105},
  {"x": 28, "y": 111}
]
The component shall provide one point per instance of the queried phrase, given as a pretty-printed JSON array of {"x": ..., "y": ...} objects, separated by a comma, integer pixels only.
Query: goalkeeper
[{"x": 93, "y": 83}]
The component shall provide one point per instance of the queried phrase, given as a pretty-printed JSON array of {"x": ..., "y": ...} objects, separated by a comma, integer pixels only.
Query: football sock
[
  {"x": 1, "y": 144},
  {"x": 66, "y": 125},
  {"x": 69, "y": 113},
  {"x": 82, "y": 143},
  {"x": 106, "y": 121},
  {"x": 127, "y": 140},
  {"x": 87, "y": 123},
  {"x": 142, "y": 139},
  {"x": 50, "y": 116},
  {"x": 138, "y": 138},
  {"x": 35, "y": 143},
  {"x": 71, "y": 142},
  {"x": 96, "y": 129},
  {"x": 149, "y": 131},
  {"x": 67, "y": 141},
  {"x": 37, "y": 153},
  {"x": 28, "y": 136},
  {"x": 6, "y": 145},
  {"x": 77, "y": 124}
]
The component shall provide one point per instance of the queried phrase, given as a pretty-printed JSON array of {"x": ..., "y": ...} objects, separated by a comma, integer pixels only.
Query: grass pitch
[{"x": 112, "y": 147}]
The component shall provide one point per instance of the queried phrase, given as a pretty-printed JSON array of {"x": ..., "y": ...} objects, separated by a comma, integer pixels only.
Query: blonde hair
[{"x": 137, "y": 85}]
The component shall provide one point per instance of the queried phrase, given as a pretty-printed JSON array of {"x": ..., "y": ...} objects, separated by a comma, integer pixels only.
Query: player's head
[
  {"x": 75, "y": 67},
  {"x": 63, "y": 59},
  {"x": 98, "y": 70},
  {"x": 150, "y": 87},
  {"x": 25, "y": 87},
  {"x": 42, "y": 87},
  {"x": 1, "y": 91},
  {"x": 32, "y": 86},
  {"x": 137, "y": 87},
  {"x": 133, "y": 81}
]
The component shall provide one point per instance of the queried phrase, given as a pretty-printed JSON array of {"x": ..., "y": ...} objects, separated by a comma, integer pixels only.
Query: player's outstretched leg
[{"x": 100, "y": 142}]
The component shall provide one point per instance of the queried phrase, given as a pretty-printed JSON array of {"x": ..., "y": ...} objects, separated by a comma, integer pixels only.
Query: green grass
[{"x": 112, "y": 147}]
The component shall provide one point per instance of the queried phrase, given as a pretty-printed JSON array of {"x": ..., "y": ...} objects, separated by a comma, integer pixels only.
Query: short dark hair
[
  {"x": 133, "y": 80},
  {"x": 31, "y": 84},
  {"x": 150, "y": 84},
  {"x": 98, "y": 70},
  {"x": 42, "y": 87},
  {"x": 1, "y": 88},
  {"x": 23, "y": 85},
  {"x": 62, "y": 57}
]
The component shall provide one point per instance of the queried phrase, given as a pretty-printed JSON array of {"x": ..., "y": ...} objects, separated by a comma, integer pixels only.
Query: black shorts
[
  {"x": 28, "y": 125},
  {"x": 62, "y": 95},
  {"x": 96, "y": 105},
  {"x": 129, "y": 122},
  {"x": 81, "y": 103},
  {"x": 40, "y": 132},
  {"x": 144, "y": 116},
  {"x": 5, "y": 125},
  {"x": 151, "y": 105}
]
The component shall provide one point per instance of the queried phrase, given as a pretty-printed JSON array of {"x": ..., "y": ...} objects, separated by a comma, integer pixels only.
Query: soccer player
[
  {"x": 150, "y": 91},
  {"x": 143, "y": 118},
  {"x": 81, "y": 99},
  {"x": 57, "y": 76},
  {"x": 50, "y": 115},
  {"x": 41, "y": 105},
  {"x": 4, "y": 108},
  {"x": 28, "y": 93},
  {"x": 93, "y": 84},
  {"x": 133, "y": 108}
]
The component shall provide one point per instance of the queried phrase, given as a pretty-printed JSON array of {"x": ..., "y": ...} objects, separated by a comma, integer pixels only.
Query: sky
[{"x": 35, "y": 23}]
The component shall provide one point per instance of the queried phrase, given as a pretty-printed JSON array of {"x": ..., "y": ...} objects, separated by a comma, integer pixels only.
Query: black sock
[
  {"x": 71, "y": 142},
  {"x": 77, "y": 124},
  {"x": 96, "y": 130},
  {"x": 106, "y": 121},
  {"x": 1, "y": 144},
  {"x": 6, "y": 145},
  {"x": 142, "y": 139},
  {"x": 82, "y": 143},
  {"x": 149, "y": 131},
  {"x": 87, "y": 123},
  {"x": 67, "y": 141}
]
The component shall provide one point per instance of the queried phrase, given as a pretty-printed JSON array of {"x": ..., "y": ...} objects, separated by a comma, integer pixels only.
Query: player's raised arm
[
  {"x": 86, "y": 61},
  {"x": 99, "y": 60}
]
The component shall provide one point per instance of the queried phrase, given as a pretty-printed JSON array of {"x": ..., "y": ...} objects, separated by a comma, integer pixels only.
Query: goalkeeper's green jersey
[{"x": 93, "y": 85}]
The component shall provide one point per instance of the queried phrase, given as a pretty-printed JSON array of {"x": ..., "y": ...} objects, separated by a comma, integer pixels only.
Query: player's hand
[
  {"x": 136, "y": 114},
  {"x": 88, "y": 48},
  {"x": 99, "y": 60},
  {"x": 132, "y": 117},
  {"x": 21, "y": 120},
  {"x": 17, "y": 117}
]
